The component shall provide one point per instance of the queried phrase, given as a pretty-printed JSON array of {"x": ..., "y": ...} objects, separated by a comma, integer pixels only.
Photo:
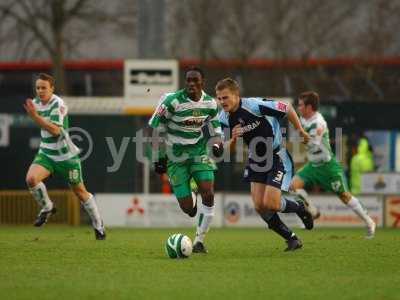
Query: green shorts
[
  {"x": 200, "y": 169},
  {"x": 328, "y": 175},
  {"x": 70, "y": 169}
]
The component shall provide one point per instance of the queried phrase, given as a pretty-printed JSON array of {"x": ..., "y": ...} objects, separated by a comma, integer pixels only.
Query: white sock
[
  {"x": 205, "y": 217},
  {"x": 194, "y": 198},
  {"x": 355, "y": 205},
  {"x": 93, "y": 212},
  {"x": 39, "y": 193}
]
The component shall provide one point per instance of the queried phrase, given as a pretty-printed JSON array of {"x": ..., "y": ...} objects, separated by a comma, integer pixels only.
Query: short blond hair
[{"x": 227, "y": 83}]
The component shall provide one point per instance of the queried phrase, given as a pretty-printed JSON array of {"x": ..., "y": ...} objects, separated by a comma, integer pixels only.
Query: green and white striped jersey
[
  {"x": 318, "y": 148},
  {"x": 57, "y": 148},
  {"x": 183, "y": 118}
]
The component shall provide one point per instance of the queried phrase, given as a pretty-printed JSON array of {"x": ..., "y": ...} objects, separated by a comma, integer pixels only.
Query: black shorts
[{"x": 277, "y": 173}]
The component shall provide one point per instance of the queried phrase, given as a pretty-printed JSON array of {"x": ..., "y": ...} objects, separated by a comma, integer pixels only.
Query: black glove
[
  {"x": 160, "y": 166},
  {"x": 218, "y": 149}
]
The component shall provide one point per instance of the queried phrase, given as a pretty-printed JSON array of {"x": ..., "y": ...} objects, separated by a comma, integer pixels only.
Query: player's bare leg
[
  {"x": 354, "y": 204},
  {"x": 34, "y": 179},
  {"x": 296, "y": 183},
  {"x": 275, "y": 201},
  {"x": 89, "y": 204},
  {"x": 188, "y": 205},
  {"x": 266, "y": 200},
  {"x": 187, "y": 202}
]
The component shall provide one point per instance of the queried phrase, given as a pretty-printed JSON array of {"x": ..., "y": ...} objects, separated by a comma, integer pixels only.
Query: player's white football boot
[
  {"x": 312, "y": 209},
  {"x": 371, "y": 231}
]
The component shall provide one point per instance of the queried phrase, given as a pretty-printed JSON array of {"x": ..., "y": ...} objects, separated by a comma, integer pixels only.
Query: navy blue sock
[
  {"x": 275, "y": 223},
  {"x": 267, "y": 216},
  {"x": 290, "y": 206}
]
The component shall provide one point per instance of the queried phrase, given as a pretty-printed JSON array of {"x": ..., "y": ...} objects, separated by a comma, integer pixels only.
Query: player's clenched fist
[
  {"x": 237, "y": 131},
  {"x": 305, "y": 136},
  {"x": 29, "y": 107},
  {"x": 160, "y": 166}
]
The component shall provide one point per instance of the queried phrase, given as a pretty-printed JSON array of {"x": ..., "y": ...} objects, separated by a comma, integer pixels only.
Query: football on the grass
[{"x": 178, "y": 245}]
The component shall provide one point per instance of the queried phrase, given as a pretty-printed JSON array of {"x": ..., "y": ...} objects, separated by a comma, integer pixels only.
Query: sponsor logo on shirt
[
  {"x": 251, "y": 126},
  {"x": 193, "y": 123},
  {"x": 281, "y": 106},
  {"x": 161, "y": 111}
]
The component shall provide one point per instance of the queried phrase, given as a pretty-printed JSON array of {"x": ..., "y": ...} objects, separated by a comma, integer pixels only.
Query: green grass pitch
[{"x": 56, "y": 262}]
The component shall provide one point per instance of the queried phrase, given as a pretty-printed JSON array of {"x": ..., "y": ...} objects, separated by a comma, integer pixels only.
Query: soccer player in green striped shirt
[
  {"x": 322, "y": 168},
  {"x": 57, "y": 154},
  {"x": 183, "y": 116}
]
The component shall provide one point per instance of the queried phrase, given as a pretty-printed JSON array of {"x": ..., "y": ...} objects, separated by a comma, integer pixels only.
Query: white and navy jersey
[{"x": 259, "y": 118}]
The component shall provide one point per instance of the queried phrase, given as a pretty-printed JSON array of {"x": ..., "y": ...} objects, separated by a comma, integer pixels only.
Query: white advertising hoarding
[
  {"x": 5, "y": 122},
  {"x": 335, "y": 214},
  {"x": 146, "y": 80},
  {"x": 152, "y": 210},
  {"x": 231, "y": 210},
  {"x": 239, "y": 212},
  {"x": 380, "y": 183}
]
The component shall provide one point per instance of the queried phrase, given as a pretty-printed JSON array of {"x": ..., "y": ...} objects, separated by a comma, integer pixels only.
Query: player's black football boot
[
  {"x": 44, "y": 216},
  {"x": 199, "y": 248},
  {"x": 100, "y": 235},
  {"x": 293, "y": 244}
]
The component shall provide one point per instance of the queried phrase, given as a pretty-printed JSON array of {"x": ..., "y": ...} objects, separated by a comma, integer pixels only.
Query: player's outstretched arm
[
  {"x": 294, "y": 119},
  {"x": 52, "y": 128}
]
